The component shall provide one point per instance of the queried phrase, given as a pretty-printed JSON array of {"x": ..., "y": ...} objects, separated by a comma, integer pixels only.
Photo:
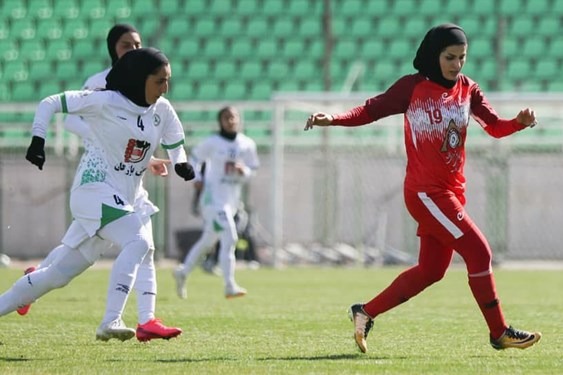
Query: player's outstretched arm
[{"x": 318, "y": 119}]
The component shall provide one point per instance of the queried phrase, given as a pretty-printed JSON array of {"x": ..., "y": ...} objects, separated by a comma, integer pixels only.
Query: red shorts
[{"x": 439, "y": 214}]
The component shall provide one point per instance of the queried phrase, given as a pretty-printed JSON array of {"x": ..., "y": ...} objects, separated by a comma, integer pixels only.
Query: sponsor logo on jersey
[
  {"x": 156, "y": 119},
  {"x": 136, "y": 150}
]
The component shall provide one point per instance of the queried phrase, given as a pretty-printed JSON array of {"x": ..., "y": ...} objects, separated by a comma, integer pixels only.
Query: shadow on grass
[
  {"x": 8, "y": 359},
  {"x": 333, "y": 357}
]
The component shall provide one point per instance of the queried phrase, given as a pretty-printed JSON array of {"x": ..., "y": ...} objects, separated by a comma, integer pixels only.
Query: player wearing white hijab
[
  {"x": 128, "y": 121},
  {"x": 231, "y": 159},
  {"x": 121, "y": 39}
]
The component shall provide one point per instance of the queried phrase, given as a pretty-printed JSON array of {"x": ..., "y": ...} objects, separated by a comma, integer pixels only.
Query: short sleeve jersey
[
  {"x": 223, "y": 185},
  {"x": 125, "y": 136},
  {"x": 435, "y": 127}
]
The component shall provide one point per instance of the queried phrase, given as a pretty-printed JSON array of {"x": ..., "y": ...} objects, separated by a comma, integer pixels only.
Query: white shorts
[{"x": 94, "y": 205}]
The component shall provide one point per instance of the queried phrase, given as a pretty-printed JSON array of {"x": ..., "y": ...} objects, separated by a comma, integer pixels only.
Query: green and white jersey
[
  {"x": 222, "y": 185},
  {"x": 123, "y": 134}
]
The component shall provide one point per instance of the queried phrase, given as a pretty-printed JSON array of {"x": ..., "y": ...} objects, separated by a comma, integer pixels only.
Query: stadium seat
[
  {"x": 304, "y": 70},
  {"x": 247, "y": 8},
  {"x": 67, "y": 70},
  {"x": 415, "y": 28},
  {"x": 150, "y": 26},
  {"x": 208, "y": 90},
  {"x": 220, "y": 8},
  {"x": 557, "y": 8},
  {"x": 180, "y": 90},
  {"x": 316, "y": 48},
  {"x": 225, "y": 69},
  {"x": 277, "y": 70},
  {"x": 40, "y": 9},
  {"x": 66, "y": 9},
  {"x": 24, "y": 92},
  {"x": 188, "y": 48},
  {"x": 32, "y": 50},
  {"x": 51, "y": 28},
  {"x": 258, "y": 27},
  {"x": 455, "y": 8},
  {"x": 480, "y": 48},
  {"x": 482, "y": 7},
  {"x": 537, "y": 7},
  {"x": 15, "y": 9},
  {"x": 86, "y": 48},
  {"x": 92, "y": 9},
  {"x": 388, "y": 28},
  {"x": 48, "y": 88},
  {"x": 273, "y": 8},
  {"x": 231, "y": 27},
  {"x": 346, "y": 49},
  {"x": 534, "y": 47},
  {"x": 15, "y": 71},
  {"x": 195, "y": 7},
  {"x": 58, "y": 50},
  {"x": 241, "y": 49},
  {"x": 555, "y": 49},
  {"x": 348, "y": 8},
  {"x": 293, "y": 48},
  {"x": 99, "y": 28},
  {"x": 266, "y": 49},
  {"x": 23, "y": 29},
  {"x": 9, "y": 50},
  {"x": 310, "y": 28},
  {"x": 234, "y": 89},
  {"x": 378, "y": 8},
  {"x": 40, "y": 70},
  {"x": 120, "y": 10},
  {"x": 203, "y": 27},
  {"x": 283, "y": 27},
  {"x": 511, "y": 8},
  {"x": 75, "y": 29},
  {"x": 214, "y": 48},
  {"x": 361, "y": 27},
  {"x": 400, "y": 49},
  {"x": 404, "y": 8},
  {"x": 197, "y": 69},
  {"x": 518, "y": 69},
  {"x": 384, "y": 69},
  {"x": 250, "y": 70},
  {"x": 90, "y": 67},
  {"x": 181, "y": 28},
  {"x": 431, "y": 7},
  {"x": 170, "y": 8},
  {"x": 547, "y": 69},
  {"x": 142, "y": 8},
  {"x": 548, "y": 26},
  {"x": 521, "y": 27}
]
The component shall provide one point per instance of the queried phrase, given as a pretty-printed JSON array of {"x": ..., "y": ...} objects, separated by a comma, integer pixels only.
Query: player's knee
[
  {"x": 433, "y": 275},
  {"x": 58, "y": 279}
]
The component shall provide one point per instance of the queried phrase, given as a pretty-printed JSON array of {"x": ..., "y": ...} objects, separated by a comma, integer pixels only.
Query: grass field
[{"x": 293, "y": 321}]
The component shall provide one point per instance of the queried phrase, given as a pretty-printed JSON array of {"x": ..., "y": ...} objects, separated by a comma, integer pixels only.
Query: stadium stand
[{"x": 248, "y": 49}]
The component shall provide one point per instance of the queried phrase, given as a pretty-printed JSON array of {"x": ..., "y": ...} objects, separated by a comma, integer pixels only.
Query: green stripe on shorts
[{"x": 110, "y": 214}]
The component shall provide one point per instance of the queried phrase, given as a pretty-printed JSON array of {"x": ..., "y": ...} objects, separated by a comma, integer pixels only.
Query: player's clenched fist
[{"x": 319, "y": 119}]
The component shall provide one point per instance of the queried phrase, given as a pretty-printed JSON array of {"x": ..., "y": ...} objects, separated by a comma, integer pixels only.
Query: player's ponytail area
[{"x": 293, "y": 320}]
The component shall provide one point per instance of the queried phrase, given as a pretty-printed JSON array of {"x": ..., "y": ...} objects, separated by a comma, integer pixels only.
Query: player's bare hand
[
  {"x": 319, "y": 119},
  {"x": 527, "y": 117},
  {"x": 158, "y": 166}
]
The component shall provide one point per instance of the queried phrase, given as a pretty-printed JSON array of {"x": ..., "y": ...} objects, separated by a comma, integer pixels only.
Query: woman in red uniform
[{"x": 437, "y": 103}]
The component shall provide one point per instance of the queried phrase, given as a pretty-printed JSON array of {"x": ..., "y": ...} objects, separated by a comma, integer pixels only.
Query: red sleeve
[
  {"x": 487, "y": 117},
  {"x": 354, "y": 117},
  {"x": 393, "y": 101}
]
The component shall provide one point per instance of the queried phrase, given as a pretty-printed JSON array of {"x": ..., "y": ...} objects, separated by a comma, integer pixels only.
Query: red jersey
[{"x": 435, "y": 127}]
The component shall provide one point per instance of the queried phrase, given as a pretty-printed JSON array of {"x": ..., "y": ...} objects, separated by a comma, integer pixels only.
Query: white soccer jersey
[
  {"x": 124, "y": 134},
  {"x": 222, "y": 185},
  {"x": 78, "y": 126}
]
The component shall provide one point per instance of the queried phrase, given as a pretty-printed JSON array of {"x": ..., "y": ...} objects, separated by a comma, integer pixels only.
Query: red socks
[{"x": 485, "y": 293}]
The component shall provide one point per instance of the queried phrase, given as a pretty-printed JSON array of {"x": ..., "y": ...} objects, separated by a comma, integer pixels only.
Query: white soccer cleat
[
  {"x": 234, "y": 292},
  {"x": 115, "y": 329},
  {"x": 180, "y": 283}
]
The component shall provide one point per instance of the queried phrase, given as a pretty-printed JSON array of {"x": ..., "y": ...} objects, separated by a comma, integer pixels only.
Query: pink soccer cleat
[
  {"x": 154, "y": 329},
  {"x": 25, "y": 309}
]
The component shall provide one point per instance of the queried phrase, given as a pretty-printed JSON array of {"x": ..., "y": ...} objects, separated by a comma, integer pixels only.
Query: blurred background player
[
  {"x": 122, "y": 38},
  {"x": 230, "y": 159},
  {"x": 437, "y": 103}
]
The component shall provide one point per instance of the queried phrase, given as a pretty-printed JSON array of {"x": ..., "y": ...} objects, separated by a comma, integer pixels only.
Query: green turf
[{"x": 293, "y": 321}]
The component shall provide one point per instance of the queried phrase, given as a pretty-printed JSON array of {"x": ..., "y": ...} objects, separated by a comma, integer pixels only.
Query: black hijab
[
  {"x": 130, "y": 72},
  {"x": 113, "y": 36},
  {"x": 427, "y": 60},
  {"x": 222, "y": 132}
]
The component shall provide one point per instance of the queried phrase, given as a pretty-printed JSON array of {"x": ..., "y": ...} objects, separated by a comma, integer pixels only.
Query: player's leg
[
  {"x": 208, "y": 238},
  {"x": 129, "y": 234},
  {"x": 145, "y": 287},
  {"x": 434, "y": 259},
  {"x": 227, "y": 260},
  {"x": 30, "y": 287},
  {"x": 476, "y": 252}
]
